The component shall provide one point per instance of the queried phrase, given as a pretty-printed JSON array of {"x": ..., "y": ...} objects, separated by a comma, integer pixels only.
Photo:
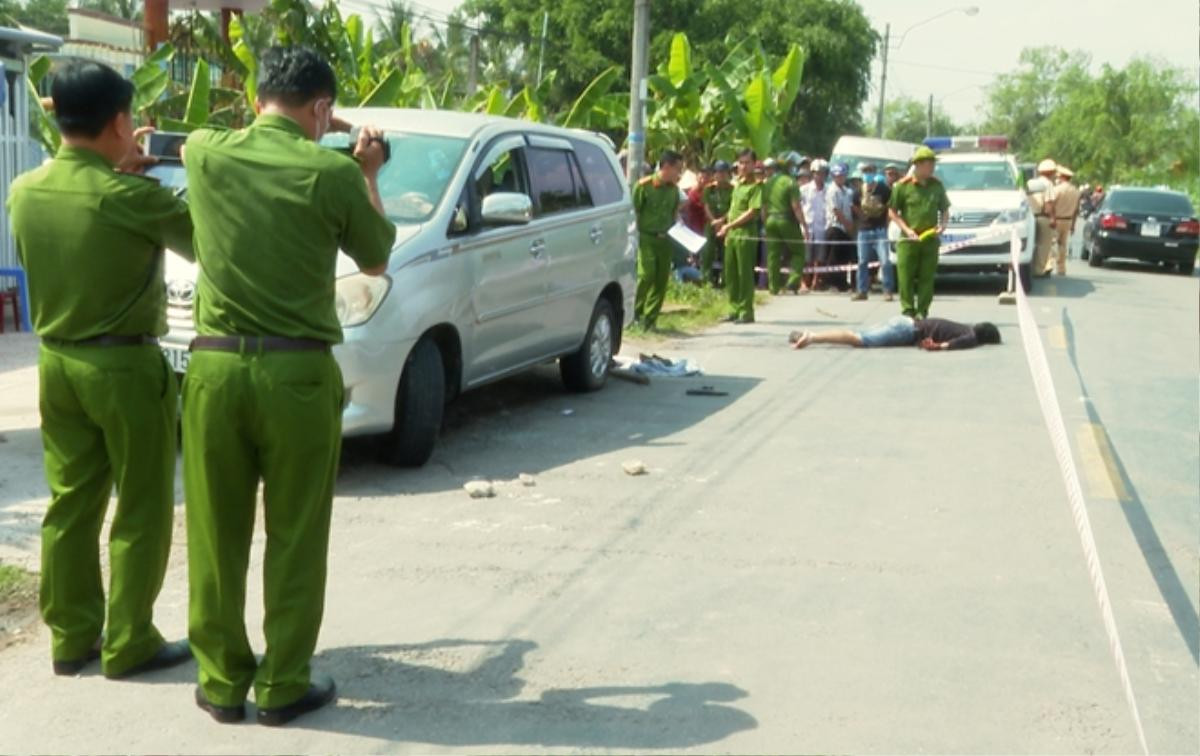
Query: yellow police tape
[{"x": 1039, "y": 368}]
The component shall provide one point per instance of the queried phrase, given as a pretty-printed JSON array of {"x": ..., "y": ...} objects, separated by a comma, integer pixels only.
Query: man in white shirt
[{"x": 813, "y": 198}]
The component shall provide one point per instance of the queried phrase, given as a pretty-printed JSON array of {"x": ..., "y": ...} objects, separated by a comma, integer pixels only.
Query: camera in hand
[
  {"x": 348, "y": 148},
  {"x": 166, "y": 145}
]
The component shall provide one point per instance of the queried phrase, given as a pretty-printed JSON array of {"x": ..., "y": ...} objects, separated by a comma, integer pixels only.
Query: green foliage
[
  {"x": 907, "y": 120},
  {"x": 1136, "y": 124}
]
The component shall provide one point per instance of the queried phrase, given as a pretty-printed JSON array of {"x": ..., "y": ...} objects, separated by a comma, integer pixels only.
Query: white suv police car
[{"x": 987, "y": 201}]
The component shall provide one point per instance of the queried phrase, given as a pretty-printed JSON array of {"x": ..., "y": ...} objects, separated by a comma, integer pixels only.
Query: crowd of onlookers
[{"x": 845, "y": 222}]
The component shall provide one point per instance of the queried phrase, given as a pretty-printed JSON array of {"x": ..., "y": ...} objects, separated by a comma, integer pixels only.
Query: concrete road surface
[{"x": 852, "y": 551}]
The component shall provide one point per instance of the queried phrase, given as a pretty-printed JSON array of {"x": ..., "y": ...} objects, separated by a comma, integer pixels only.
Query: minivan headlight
[
  {"x": 358, "y": 296},
  {"x": 1014, "y": 215}
]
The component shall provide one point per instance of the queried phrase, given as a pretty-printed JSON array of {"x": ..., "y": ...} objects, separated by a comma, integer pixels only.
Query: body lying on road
[{"x": 932, "y": 334}]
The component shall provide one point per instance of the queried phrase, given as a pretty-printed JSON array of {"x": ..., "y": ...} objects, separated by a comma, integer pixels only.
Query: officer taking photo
[
  {"x": 90, "y": 235},
  {"x": 263, "y": 394}
]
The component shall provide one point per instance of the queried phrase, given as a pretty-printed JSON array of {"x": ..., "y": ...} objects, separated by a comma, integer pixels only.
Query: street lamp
[{"x": 970, "y": 10}]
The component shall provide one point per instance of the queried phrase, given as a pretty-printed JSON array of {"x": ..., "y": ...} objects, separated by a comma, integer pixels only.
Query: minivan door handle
[
  {"x": 537, "y": 247},
  {"x": 596, "y": 233}
]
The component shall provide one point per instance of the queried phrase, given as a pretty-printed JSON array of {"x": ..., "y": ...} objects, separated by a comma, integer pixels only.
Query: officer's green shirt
[
  {"x": 656, "y": 204},
  {"x": 780, "y": 192},
  {"x": 91, "y": 241},
  {"x": 920, "y": 205},
  {"x": 271, "y": 209},
  {"x": 746, "y": 196},
  {"x": 716, "y": 198}
]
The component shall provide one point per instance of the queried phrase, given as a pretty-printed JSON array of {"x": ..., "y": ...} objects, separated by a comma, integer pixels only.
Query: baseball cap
[
  {"x": 721, "y": 165},
  {"x": 838, "y": 169}
]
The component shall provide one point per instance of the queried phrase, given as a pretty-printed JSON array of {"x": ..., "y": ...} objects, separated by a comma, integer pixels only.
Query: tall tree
[
  {"x": 907, "y": 120},
  {"x": 588, "y": 36}
]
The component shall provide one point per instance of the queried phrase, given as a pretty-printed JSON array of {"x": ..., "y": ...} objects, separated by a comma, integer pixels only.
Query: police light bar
[{"x": 988, "y": 143}]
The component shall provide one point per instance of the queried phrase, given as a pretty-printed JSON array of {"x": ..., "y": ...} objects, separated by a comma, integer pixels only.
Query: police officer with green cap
[
  {"x": 784, "y": 223},
  {"x": 716, "y": 197},
  {"x": 91, "y": 239},
  {"x": 656, "y": 201},
  {"x": 921, "y": 208},
  {"x": 263, "y": 395},
  {"x": 740, "y": 232}
]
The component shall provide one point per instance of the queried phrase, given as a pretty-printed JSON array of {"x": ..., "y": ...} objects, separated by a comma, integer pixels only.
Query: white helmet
[{"x": 819, "y": 165}]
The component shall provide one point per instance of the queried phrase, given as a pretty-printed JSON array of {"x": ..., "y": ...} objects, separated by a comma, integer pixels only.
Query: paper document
[{"x": 687, "y": 238}]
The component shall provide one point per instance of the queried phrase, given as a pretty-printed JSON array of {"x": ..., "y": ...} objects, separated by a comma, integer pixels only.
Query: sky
[{"x": 955, "y": 56}]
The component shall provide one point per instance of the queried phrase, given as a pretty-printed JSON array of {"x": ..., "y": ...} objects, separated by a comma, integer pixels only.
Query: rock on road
[{"x": 853, "y": 551}]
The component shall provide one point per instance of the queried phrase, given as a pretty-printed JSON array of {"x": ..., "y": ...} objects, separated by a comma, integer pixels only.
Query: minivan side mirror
[{"x": 506, "y": 209}]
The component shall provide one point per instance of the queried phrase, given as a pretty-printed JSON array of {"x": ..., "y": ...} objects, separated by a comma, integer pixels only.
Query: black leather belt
[
  {"x": 255, "y": 344},
  {"x": 107, "y": 340}
]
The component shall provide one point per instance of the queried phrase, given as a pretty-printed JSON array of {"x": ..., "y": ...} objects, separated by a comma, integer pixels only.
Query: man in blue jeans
[
  {"x": 870, "y": 207},
  {"x": 931, "y": 334}
]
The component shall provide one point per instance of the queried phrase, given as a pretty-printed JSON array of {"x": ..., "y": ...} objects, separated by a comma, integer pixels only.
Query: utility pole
[
  {"x": 542, "y": 48},
  {"x": 887, "y": 41},
  {"x": 929, "y": 119},
  {"x": 636, "y": 154},
  {"x": 473, "y": 66}
]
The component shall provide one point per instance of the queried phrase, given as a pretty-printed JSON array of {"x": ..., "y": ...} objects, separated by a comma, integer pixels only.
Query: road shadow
[
  {"x": 422, "y": 693},
  {"x": 529, "y": 424},
  {"x": 1133, "y": 266},
  {"x": 1166, "y": 578}
]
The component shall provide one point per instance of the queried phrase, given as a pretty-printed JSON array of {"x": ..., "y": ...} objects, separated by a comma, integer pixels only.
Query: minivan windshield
[
  {"x": 1149, "y": 201},
  {"x": 981, "y": 176},
  {"x": 414, "y": 180}
]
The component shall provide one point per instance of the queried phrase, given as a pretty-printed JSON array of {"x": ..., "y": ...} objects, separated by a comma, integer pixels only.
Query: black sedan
[{"x": 1150, "y": 225}]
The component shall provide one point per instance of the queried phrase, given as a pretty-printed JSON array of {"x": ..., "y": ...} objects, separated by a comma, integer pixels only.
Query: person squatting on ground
[
  {"x": 740, "y": 233},
  {"x": 931, "y": 334},
  {"x": 920, "y": 206},
  {"x": 263, "y": 394},
  {"x": 656, "y": 204},
  {"x": 90, "y": 235}
]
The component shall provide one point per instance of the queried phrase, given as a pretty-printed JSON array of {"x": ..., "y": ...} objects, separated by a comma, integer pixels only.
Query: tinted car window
[
  {"x": 1147, "y": 201},
  {"x": 601, "y": 181},
  {"x": 551, "y": 174}
]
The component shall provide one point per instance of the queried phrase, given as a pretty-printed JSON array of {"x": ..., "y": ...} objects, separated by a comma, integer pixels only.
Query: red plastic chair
[{"x": 10, "y": 296}]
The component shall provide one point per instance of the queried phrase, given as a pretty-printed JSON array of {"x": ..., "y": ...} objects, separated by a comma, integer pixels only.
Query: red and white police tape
[
  {"x": 1039, "y": 368},
  {"x": 942, "y": 250}
]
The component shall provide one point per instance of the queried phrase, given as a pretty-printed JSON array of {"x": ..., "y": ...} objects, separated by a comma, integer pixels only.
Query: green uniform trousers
[
  {"x": 916, "y": 267},
  {"x": 785, "y": 242},
  {"x": 108, "y": 417},
  {"x": 714, "y": 250},
  {"x": 741, "y": 254},
  {"x": 654, "y": 273},
  {"x": 277, "y": 417}
]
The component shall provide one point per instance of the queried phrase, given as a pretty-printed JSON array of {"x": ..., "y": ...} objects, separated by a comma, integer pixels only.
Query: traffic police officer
[
  {"x": 263, "y": 394},
  {"x": 91, "y": 240},
  {"x": 716, "y": 199},
  {"x": 1043, "y": 202},
  {"x": 783, "y": 221},
  {"x": 920, "y": 206},
  {"x": 741, "y": 240},
  {"x": 656, "y": 201},
  {"x": 1066, "y": 211}
]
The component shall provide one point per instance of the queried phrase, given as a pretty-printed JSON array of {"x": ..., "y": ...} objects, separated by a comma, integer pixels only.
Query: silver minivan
[{"x": 515, "y": 246}]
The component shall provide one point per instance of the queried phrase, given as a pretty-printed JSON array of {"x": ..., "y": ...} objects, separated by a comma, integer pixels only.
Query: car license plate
[
  {"x": 955, "y": 238},
  {"x": 1151, "y": 229},
  {"x": 177, "y": 358}
]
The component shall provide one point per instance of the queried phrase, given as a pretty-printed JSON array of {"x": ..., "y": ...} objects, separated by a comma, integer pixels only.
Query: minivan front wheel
[
  {"x": 420, "y": 401},
  {"x": 587, "y": 369}
]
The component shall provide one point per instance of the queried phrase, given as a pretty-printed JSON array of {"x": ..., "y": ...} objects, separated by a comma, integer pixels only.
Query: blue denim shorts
[{"x": 899, "y": 331}]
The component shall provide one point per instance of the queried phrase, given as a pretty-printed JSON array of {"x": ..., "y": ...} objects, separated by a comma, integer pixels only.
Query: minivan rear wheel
[
  {"x": 420, "y": 402},
  {"x": 587, "y": 369}
]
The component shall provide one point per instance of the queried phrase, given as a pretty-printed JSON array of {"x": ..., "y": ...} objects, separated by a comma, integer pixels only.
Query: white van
[{"x": 853, "y": 150}]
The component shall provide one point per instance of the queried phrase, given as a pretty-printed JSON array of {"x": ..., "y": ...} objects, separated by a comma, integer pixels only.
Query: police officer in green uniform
[
  {"x": 740, "y": 232},
  {"x": 263, "y": 395},
  {"x": 91, "y": 240},
  {"x": 716, "y": 198},
  {"x": 656, "y": 201},
  {"x": 920, "y": 207},
  {"x": 783, "y": 220}
]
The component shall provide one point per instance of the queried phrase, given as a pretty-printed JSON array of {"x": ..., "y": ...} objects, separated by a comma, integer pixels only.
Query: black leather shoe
[
  {"x": 223, "y": 714},
  {"x": 168, "y": 655},
  {"x": 75, "y": 666},
  {"x": 320, "y": 693}
]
